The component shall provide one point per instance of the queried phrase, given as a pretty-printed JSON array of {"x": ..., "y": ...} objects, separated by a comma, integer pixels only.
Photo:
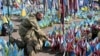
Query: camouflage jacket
[{"x": 29, "y": 25}]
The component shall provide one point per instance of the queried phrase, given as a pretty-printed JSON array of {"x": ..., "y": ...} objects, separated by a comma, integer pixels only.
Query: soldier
[{"x": 31, "y": 34}]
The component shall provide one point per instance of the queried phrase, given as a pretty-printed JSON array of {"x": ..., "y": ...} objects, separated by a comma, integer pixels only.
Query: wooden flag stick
[
  {"x": 44, "y": 5},
  {"x": 46, "y": 8},
  {"x": 68, "y": 6},
  {"x": 8, "y": 3},
  {"x": 63, "y": 9},
  {"x": 77, "y": 5}
]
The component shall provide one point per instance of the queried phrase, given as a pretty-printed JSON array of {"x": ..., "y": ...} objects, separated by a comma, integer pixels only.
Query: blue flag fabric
[
  {"x": 50, "y": 4},
  {"x": 65, "y": 2},
  {"x": 47, "y": 44},
  {"x": 81, "y": 2},
  {"x": 15, "y": 50},
  {"x": 9, "y": 50},
  {"x": 78, "y": 34},
  {"x": 86, "y": 2},
  {"x": 0, "y": 4},
  {"x": 98, "y": 46},
  {"x": 89, "y": 49}
]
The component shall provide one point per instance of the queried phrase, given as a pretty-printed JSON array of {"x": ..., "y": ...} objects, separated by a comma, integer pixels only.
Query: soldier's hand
[{"x": 49, "y": 39}]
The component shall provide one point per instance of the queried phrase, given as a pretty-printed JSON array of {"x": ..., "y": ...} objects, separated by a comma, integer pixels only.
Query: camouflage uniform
[{"x": 31, "y": 35}]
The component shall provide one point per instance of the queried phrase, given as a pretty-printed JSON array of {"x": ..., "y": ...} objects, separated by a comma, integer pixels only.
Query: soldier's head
[{"x": 39, "y": 16}]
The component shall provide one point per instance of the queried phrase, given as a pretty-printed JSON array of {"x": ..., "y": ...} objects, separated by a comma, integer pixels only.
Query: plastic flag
[
  {"x": 10, "y": 50},
  {"x": 50, "y": 4},
  {"x": 78, "y": 34},
  {"x": 20, "y": 53},
  {"x": 3, "y": 43},
  {"x": 15, "y": 50},
  {"x": 81, "y": 3},
  {"x": 6, "y": 50},
  {"x": 89, "y": 50},
  {"x": 98, "y": 46},
  {"x": 4, "y": 19},
  {"x": 64, "y": 43},
  {"x": 23, "y": 12},
  {"x": 11, "y": 26},
  {"x": 18, "y": 1},
  {"x": 53, "y": 42},
  {"x": 40, "y": 24},
  {"x": 1, "y": 51},
  {"x": 72, "y": 54},
  {"x": 47, "y": 44}
]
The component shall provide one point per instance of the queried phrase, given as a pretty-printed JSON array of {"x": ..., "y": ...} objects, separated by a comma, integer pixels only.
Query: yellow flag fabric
[
  {"x": 23, "y": 13},
  {"x": 4, "y": 19},
  {"x": 19, "y": 1},
  {"x": 85, "y": 8},
  {"x": 82, "y": 8}
]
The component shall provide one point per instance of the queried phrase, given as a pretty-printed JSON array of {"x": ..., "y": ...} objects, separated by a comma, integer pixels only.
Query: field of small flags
[{"x": 74, "y": 41}]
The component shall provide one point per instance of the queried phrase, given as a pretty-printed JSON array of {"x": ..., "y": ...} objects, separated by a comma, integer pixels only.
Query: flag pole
[
  {"x": 62, "y": 20},
  {"x": 46, "y": 5},
  {"x": 8, "y": 7},
  {"x": 63, "y": 15},
  {"x": 9, "y": 34},
  {"x": 68, "y": 6}
]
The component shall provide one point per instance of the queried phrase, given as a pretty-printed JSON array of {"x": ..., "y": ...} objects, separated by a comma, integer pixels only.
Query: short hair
[
  {"x": 38, "y": 13},
  {"x": 34, "y": 14}
]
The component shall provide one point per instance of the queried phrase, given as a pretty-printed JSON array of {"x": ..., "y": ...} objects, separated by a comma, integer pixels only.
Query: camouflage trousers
[{"x": 30, "y": 42}]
